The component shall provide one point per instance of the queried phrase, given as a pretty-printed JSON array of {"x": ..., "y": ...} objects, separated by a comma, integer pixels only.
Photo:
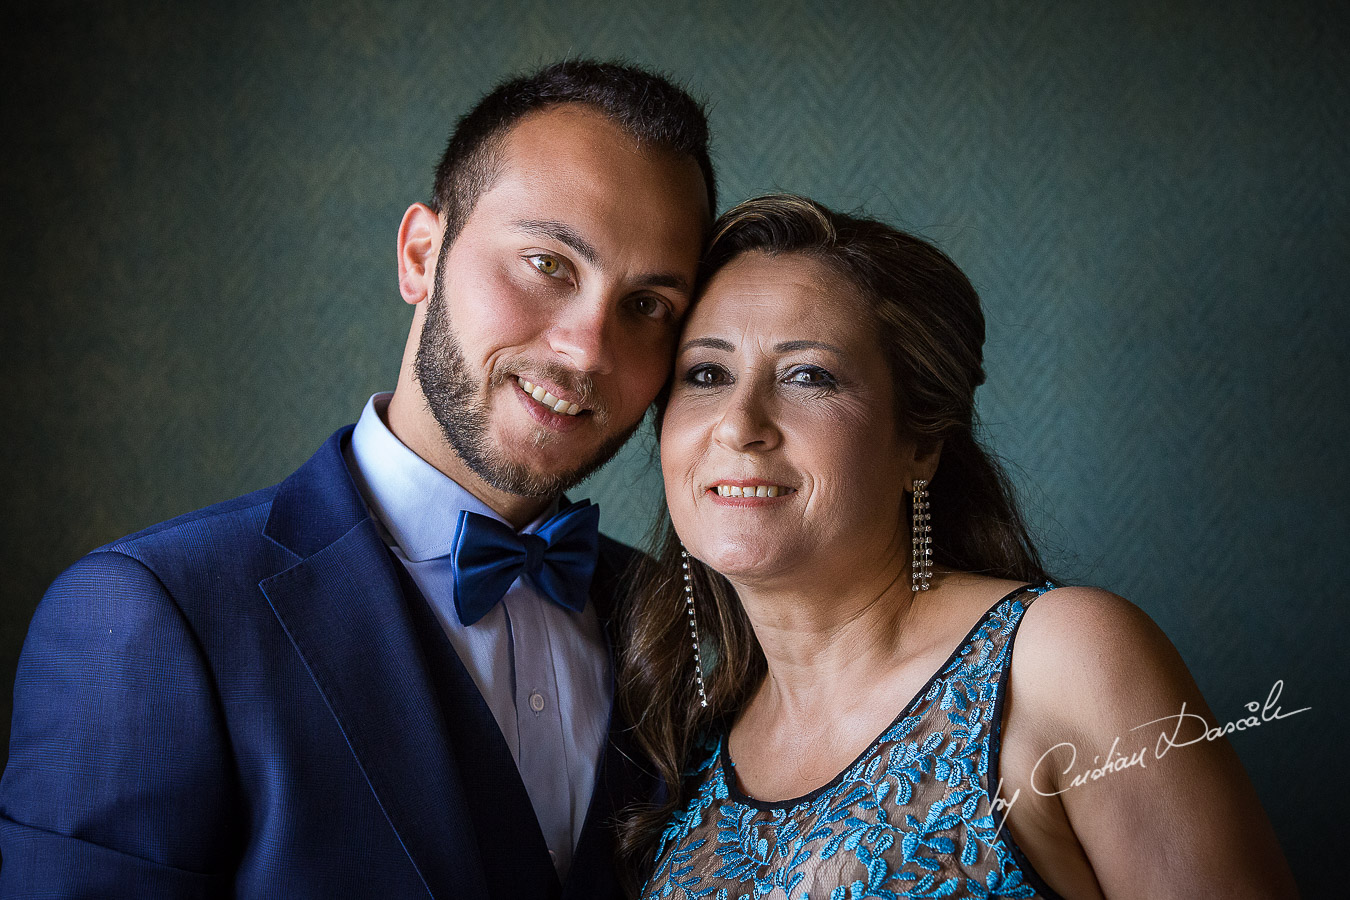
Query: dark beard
[{"x": 459, "y": 406}]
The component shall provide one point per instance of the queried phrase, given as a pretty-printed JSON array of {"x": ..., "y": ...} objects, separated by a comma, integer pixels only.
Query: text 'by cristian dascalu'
[{"x": 1169, "y": 738}]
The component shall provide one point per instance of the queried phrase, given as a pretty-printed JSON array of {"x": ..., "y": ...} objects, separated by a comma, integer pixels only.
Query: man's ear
[{"x": 419, "y": 242}]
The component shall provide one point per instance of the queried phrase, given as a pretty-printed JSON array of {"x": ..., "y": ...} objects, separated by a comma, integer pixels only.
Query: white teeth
[
  {"x": 544, "y": 397},
  {"x": 759, "y": 490}
]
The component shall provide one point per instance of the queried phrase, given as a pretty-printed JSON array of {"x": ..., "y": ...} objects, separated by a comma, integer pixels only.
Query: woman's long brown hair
[{"x": 931, "y": 329}]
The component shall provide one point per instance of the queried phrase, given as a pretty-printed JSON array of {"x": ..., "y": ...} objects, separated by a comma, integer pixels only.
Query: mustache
[{"x": 579, "y": 384}]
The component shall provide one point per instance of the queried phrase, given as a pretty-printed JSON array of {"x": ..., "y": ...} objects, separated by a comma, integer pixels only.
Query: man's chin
[
  {"x": 544, "y": 466},
  {"x": 524, "y": 470},
  {"x": 546, "y": 476},
  {"x": 524, "y": 480}
]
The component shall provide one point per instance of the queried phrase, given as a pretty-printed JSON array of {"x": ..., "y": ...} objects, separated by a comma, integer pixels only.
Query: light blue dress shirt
[{"x": 543, "y": 670}]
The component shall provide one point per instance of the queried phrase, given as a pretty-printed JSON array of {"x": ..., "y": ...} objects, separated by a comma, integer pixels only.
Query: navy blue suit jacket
[{"x": 252, "y": 701}]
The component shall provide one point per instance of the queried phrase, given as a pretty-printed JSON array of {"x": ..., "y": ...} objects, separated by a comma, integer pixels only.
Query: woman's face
[{"x": 781, "y": 391}]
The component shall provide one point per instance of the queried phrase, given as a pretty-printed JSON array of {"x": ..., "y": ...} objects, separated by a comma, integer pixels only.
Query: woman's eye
[
  {"x": 546, "y": 263},
  {"x": 706, "y": 375},
  {"x": 811, "y": 376}
]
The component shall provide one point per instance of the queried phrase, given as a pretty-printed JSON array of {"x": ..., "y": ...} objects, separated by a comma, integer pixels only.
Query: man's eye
[
  {"x": 651, "y": 307},
  {"x": 546, "y": 263}
]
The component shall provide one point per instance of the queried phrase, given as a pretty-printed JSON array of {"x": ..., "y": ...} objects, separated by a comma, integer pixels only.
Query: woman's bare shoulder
[
  {"x": 1105, "y": 712},
  {"x": 1089, "y": 655}
]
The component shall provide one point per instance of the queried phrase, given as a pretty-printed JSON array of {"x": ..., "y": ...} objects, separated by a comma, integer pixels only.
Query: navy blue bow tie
[{"x": 559, "y": 558}]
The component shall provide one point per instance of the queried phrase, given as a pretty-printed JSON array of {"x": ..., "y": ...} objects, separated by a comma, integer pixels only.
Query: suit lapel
[
  {"x": 620, "y": 779},
  {"x": 511, "y": 846},
  {"x": 618, "y": 783},
  {"x": 344, "y": 611}
]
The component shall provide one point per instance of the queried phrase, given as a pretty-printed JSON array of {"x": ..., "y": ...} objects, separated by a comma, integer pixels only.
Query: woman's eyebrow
[
  {"x": 709, "y": 342},
  {"x": 784, "y": 347},
  {"x": 789, "y": 346}
]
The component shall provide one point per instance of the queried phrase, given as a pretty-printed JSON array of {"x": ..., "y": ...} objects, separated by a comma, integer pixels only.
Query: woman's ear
[
  {"x": 927, "y": 454},
  {"x": 419, "y": 243}
]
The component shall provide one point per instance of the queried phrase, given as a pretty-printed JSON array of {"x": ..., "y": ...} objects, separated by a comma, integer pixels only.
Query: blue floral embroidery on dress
[{"x": 912, "y": 817}]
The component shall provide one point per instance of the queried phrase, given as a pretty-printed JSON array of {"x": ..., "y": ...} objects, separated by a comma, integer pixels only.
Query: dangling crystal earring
[
  {"x": 693, "y": 626},
  {"x": 921, "y": 557}
]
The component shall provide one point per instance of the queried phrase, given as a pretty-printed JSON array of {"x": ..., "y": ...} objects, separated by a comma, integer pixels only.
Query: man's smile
[{"x": 558, "y": 405}]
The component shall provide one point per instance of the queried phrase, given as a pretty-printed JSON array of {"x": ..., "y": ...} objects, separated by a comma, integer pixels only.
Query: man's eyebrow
[
  {"x": 562, "y": 233},
  {"x": 709, "y": 342},
  {"x": 665, "y": 280},
  {"x": 566, "y": 234}
]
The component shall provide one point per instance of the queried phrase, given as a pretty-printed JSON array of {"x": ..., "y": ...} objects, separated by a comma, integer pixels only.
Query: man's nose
[{"x": 583, "y": 335}]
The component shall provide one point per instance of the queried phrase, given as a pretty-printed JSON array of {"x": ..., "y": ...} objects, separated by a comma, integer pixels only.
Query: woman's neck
[{"x": 817, "y": 634}]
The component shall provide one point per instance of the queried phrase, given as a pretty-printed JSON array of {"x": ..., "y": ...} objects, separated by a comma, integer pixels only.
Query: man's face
[{"x": 555, "y": 311}]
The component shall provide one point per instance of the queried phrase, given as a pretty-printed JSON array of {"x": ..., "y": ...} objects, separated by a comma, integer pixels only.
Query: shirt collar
[{"x": 416, "y": 503}]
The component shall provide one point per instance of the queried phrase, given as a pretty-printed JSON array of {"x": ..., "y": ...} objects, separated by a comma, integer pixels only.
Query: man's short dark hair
[{"x": 646, "y": 105}]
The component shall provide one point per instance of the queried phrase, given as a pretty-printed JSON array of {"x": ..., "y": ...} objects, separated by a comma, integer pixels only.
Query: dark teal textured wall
[{"x": 200, "y": 204}]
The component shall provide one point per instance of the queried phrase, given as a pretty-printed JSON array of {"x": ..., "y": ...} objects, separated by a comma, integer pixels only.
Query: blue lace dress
[{"x": 913, "y": 816}]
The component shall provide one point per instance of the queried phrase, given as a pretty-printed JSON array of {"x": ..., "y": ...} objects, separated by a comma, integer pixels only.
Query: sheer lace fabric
[{"x": 913, "y": 816}]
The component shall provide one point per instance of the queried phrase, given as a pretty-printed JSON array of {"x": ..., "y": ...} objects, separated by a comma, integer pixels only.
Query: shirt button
[{"x": 537, "y": 702}]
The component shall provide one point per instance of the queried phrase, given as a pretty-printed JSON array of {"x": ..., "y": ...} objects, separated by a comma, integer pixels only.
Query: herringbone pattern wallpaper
[{"x": 200, "y": 203}]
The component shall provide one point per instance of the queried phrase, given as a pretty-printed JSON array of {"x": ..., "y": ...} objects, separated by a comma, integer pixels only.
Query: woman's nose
[{"x": 747, "y": 422}]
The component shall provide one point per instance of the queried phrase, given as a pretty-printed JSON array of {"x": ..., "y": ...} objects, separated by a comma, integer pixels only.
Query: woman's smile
[{"x": 745, "y": 490}]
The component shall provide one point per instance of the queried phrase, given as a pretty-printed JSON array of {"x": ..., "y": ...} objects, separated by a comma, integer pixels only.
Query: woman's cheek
[{"x": 675, "y": 470}]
